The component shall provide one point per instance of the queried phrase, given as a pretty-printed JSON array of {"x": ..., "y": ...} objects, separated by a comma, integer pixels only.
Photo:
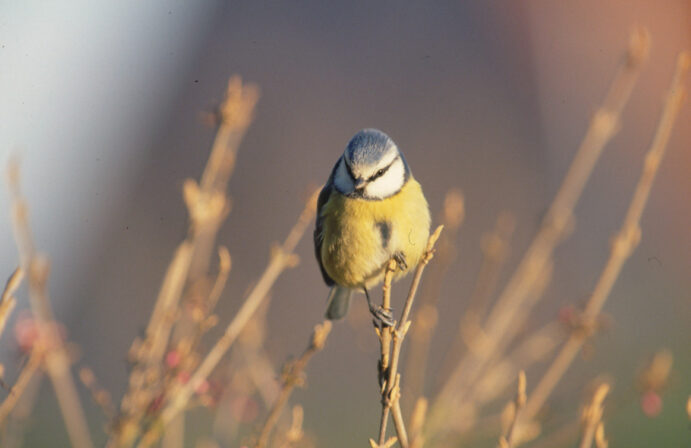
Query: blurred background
[{"x": 104, "y": 103}]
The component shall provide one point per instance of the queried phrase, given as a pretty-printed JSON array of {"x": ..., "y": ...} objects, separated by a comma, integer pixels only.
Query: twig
[
  {"x": 623, "y": 245},
  {"x": 391, "y": 387},
  {"x": 236, "y": 114},
  {"x": 224, "y": 265},
  {"x": 600, "y": 440},
  {"x": 187, "y": 274},
  {"x": 495, "y": 250},
  {"x": 512, "y": 412},
  {"x": 452, "y": 217},
  {"x": 417, "y": 422},
  {"x": 282, "y": 258},
  {"x": 20, "y": 385},
  {"x": 534, "y": 348},
  {"x": 516, "y": 300},
  {"x": 54, "y": 354},
  {"x": 207, "y": 205},
  {"x": 17, "y": 419},
  {"x": 292, "y": 376},
  {"x": 388, "y": 444},
  {"x": 294, "y": 434},
  {"x": 592, "y": 417},
  {"x": 499, "y": 372},
  {"x": 7, "y": 300},
  {"x": 99, "y": 395},
  {"x": 384, "y": 335}
]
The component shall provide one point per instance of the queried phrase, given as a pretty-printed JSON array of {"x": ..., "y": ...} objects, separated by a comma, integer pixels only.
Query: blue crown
[{"x": 368, "y": 146}]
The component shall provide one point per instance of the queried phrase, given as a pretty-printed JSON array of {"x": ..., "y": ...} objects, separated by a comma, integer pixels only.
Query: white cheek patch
[
  {"x": 342, "y": 179},
  {"x": 388, "y": 184}
]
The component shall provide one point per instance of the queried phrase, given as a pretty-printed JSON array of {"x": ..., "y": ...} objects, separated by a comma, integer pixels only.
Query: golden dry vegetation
[{"x": 172, "y": 371}]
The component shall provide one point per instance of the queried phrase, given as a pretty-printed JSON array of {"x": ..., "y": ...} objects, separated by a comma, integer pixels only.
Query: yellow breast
[{"x": 360, "y": 236}]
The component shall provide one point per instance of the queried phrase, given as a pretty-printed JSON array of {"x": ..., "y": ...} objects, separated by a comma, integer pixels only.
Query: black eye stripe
[{"x": 382, "y": 171}]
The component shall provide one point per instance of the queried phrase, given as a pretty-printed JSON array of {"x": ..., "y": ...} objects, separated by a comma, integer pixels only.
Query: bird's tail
[{"x": 339, "y": 302}]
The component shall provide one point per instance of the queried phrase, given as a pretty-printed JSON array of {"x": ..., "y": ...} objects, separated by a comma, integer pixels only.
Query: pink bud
[
  {"x": 651, "y": 404},
  {"x": 26, "y": 332},
  {"x": 173, "y": 358}
]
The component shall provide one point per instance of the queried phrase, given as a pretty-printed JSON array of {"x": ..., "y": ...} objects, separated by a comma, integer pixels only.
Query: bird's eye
[{"x": 380, "y": 172}]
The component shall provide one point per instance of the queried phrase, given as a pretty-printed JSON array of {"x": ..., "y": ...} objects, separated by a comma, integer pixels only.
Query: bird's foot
[
  {"x": 382, "y": 315},
  {"x": 399, "y": 258}
]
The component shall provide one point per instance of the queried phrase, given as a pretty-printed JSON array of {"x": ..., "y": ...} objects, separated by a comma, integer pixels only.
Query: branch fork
[{"x": 391, "y": 341}]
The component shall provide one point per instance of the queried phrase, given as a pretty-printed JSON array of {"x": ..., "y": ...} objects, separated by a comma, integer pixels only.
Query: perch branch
[{"x": 391, "y": 387}]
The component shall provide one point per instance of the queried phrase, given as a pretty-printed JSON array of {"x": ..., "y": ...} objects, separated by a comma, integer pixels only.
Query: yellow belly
[{"x": 360, "y": 236}]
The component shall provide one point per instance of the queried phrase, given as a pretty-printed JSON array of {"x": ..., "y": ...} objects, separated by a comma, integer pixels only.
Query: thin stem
[
  {"x": 507, "y": 440},
  {"x": 592, "y": 416},
  {"x": 391, "y": 388},
  {"x": 25, "y": 376},
  {"x": 19, "y": 417},
  {"x": 7, "y": 300},
  {"x": 426, "y": 316},
  {"x": 623, "y": 245},
  {"x": 417, "y": 421},
  {"x": 292, "y": 377},
  {"x": 384, "y": 334},
  {"x": 495, "y": 249},
  {"x": 397, "y": 416},
  {"x": 517, "y": 298},
  {"x": 55, "y": 357},
  {"x": 187, "y": 277},
  {"x": 282, "y": 258},
  {"x": 534, "y": 348}
]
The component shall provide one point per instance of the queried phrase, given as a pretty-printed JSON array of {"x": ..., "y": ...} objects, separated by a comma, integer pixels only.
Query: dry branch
[
  {"x": 495, "y": 250},
  {"x": 417, "y": 422},
  {"x": 7, "y": 300},
  {"x": 282, "y": 258},
  {"x": 20, "y": 385},
  {"x": 51, "y": 347},
  {"x": 293, "y": 376},
  {"x": 622, "y": 246},
  {"x": 512, "y": 412},
  {"x": 390, "y": 387},
  {"x": 452, "y": 217},
  {"x": 518, "y": 297},
  {"x": 187, "y": 276},
  {"x": 592, "y": 417}
]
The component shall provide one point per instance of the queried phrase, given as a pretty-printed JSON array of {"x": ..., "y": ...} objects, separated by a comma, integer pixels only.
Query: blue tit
[{"x": 370, "y": 211}]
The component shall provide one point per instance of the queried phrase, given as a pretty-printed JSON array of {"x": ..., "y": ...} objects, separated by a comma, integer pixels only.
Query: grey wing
[{"x": 318, "y": 236}]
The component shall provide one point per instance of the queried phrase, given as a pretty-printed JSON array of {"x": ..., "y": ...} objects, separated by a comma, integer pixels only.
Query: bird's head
[{"x": 371, "y": 167}]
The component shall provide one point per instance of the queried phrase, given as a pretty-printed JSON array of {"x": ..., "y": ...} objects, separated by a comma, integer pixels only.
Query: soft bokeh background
[{"x": 103, "y": 102}]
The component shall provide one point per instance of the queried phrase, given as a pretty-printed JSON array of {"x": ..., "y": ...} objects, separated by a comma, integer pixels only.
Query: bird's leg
[
  {"x": 399, "y": 257},
  {"x": 382, "y": 315}
]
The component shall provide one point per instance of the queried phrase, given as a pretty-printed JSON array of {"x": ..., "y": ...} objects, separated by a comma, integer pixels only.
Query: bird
[{"x": 370, "y": 210}]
